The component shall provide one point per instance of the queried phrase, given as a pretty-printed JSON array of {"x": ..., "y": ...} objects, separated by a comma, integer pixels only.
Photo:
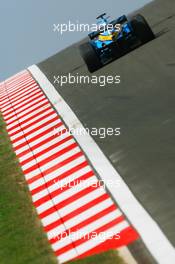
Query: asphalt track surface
[{"x": 142, "y": 105}]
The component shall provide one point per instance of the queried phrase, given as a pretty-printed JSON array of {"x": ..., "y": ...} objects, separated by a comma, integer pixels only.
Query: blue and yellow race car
[{"x": 114, "y": 39}]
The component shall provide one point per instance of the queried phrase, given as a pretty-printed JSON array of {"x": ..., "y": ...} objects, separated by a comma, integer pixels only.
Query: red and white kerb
[{"x": 74, "y": 215}]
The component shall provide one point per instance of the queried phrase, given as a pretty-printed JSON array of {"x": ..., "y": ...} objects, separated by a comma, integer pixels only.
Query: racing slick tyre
[
  {"x": 90, "y": 57},
  {"x": 142, "y": 29}
]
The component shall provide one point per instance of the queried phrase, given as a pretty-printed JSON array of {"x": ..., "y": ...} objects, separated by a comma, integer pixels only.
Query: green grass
[
  {"x": 109, "y": 257},
  {"x": 22, "y": 240}
]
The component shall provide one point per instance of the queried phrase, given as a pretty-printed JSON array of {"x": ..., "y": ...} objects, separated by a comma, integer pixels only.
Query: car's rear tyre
[
  {"x": 90, "y": 57},
  {"x": 141, "y": 29}
]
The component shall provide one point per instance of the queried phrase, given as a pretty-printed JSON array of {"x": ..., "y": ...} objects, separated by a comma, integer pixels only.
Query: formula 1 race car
[{"x": 114, "y": 39}]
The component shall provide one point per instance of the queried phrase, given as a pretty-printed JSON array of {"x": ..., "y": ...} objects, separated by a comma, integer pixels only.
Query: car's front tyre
[{"x": 90, "y": 57}]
